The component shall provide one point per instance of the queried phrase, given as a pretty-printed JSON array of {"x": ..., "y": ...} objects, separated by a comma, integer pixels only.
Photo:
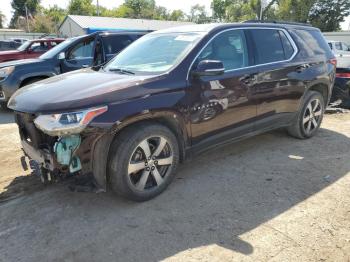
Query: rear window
[
  {"x": 113, "y": 44},
  {"x": 271, "y": 45},
  {"x": 313, "y": 43}
]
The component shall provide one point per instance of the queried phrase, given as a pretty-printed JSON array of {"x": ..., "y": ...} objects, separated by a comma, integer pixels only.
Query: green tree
[
  {"x": 219, "y": 9},
  {"x": 294, "y": 10},
  {"x": 19, "y": 7},
  {"x": 56, "y": 15},
  {"x": 327, "y": 15},
  {"x": 141, "y": 8},
  {"x": 42, "y": 24},
  {"x": 198, "y": 14},
  {"x": 81, "y": 7},
  {"x": 177, "y": 15}
]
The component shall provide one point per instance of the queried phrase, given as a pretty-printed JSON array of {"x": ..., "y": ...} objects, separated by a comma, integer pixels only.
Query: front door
[{"x": 221, "y": 106}]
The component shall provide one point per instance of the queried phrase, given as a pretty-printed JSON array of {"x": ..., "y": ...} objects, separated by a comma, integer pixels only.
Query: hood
[
  {"x": 9, "y": 52},
  {"x": 19, "y": 62},
  {"x": 78, "y": 90}
]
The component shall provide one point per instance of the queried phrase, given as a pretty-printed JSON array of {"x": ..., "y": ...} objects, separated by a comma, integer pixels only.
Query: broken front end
[{"x": 60, "y": 145}]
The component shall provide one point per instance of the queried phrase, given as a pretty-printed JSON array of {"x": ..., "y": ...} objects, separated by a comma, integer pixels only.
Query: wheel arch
[
  {"x": 169, "y": 118},
  {"x": 101, "y": 148},
  {"x": 29, "y": 79},
  {"x": 323, "y": 89}
]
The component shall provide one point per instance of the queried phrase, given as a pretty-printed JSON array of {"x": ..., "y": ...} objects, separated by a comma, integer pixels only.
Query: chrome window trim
[{"x": 253, "y": 66}]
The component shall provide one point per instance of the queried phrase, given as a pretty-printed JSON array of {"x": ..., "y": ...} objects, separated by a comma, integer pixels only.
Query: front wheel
[
  {"x": 309, "y": 118},
  {"x": 142, "y": 161}
]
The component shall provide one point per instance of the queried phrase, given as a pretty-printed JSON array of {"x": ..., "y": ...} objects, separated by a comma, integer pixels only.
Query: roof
[
  {"x": 209, "y": 27},
  {"x": 121, "y": 23}
]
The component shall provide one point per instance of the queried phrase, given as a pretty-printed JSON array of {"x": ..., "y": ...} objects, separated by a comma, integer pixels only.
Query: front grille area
[{"x": 31, "y": 134}]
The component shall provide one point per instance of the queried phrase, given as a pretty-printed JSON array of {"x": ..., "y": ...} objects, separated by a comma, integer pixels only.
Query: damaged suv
[{"x": 171, "y": 94}]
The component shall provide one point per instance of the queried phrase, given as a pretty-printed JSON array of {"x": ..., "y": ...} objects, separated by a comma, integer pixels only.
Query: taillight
[
  {"x": 333, "y": 61},
  {"x": 343, "y": 75}
]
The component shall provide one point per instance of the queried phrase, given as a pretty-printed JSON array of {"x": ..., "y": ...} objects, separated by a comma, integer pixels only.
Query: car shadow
[
  {"x": 215, "y": 198},
  {"x": 6, "y": 117}
]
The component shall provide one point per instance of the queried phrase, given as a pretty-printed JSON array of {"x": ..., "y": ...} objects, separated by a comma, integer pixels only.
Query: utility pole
[
  {"x": 25, "y": 5},
  {"x": 98, "y": 9}
]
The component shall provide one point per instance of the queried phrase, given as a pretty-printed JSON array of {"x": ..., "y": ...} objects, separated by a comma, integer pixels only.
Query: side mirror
[
  {"x": 209, "y": 68},
  {"x": 61, "y": 56}
]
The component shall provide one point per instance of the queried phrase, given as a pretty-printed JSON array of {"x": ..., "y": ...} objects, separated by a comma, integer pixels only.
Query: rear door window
[
  {"x": 113, "y": 44},
  {"x": 269, "y": 47}
]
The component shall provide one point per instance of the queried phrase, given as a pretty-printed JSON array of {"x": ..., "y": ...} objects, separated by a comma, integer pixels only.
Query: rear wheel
[
  {"x": 309, "y": 118},
  {"x": 142, "y": 161}
]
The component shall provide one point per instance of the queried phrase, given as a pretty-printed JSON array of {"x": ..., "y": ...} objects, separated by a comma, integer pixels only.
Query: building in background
[
  {"x": 75, "y": 25},
  {"x": 342, "y": 36}
]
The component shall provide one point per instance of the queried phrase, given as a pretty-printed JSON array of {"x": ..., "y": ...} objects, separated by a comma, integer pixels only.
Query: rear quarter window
[{"x": 313, "y": 43}]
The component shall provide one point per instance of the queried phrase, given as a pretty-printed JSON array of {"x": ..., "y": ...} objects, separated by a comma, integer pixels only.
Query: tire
[
  {"x": 309, "y": 118},
  {"x": 133, "y": 175}
]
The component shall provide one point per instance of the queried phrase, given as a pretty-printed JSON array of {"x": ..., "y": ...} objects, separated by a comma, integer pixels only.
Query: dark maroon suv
[{"x": 173, "y": 93}]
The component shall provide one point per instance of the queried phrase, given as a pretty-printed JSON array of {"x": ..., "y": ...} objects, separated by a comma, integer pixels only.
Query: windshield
[
  {"x": 154, "y": 53},
  {"x": 24, "y": 46},
  {"x": 57, "y": 49}
]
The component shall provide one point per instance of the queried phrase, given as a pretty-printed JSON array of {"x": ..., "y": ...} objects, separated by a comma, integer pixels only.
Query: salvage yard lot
[{"x": 270, "y": 197}]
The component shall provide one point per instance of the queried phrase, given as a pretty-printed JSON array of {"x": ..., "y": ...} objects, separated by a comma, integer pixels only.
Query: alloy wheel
[
  {"x": 150, "y": 163},
  {"x": 312, "y": 116}
]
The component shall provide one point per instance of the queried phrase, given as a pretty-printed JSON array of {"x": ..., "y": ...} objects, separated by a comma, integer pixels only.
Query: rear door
[
  {"x": 276, "y": 91},
  {"x": 80, "y": 55}
]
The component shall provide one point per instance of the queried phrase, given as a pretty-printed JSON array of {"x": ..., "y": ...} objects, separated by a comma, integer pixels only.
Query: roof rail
[{"x": 277, "y": 22}]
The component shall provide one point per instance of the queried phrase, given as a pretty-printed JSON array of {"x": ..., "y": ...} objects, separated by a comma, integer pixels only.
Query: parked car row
[
  {"x": 6, "y": 45},
  {"x": 342, "y": 84},
  {"x": 74, "y": 53},
  {"x": 165, "y": 97}
]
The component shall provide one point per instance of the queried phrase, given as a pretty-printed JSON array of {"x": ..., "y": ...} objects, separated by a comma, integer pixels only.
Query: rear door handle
[
  {"x": 248, "y": 79},
  {"x": 301, "y": 68}
]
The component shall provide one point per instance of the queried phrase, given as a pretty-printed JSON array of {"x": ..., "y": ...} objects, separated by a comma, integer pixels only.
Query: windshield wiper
[{"x": 122, "y": 71}]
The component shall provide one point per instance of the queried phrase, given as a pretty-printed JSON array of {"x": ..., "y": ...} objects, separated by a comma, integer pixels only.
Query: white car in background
[{"x": 342, "y": 53}]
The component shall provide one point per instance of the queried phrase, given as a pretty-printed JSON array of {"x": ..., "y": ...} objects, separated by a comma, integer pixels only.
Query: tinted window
[
  {"x": 82, "y": 50},
  {"x": 287, "y": 46},
  {"x": 268, "y": 46},
  {"x": 229, "y": 47},
  {"x": 115, "y": 43},
  {"x": 312, "y": 43}
]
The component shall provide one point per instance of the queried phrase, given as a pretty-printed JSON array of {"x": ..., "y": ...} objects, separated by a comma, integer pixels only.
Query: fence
[{"x": 7, "y": 35}]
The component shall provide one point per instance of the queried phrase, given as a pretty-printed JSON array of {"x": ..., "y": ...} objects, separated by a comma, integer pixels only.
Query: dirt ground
[{"x": 268, "y": 198}]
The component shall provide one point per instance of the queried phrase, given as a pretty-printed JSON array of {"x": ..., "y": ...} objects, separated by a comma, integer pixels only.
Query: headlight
[
  {"x": 6, "y": 71},
  {"x": 67, "y": 123}
]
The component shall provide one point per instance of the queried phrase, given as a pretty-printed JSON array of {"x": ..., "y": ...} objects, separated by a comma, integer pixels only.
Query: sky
[{"x": 184, "y": 5}]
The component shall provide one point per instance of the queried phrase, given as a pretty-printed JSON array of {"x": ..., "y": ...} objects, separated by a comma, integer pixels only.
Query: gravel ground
[{"x": 268, "y": 198}]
